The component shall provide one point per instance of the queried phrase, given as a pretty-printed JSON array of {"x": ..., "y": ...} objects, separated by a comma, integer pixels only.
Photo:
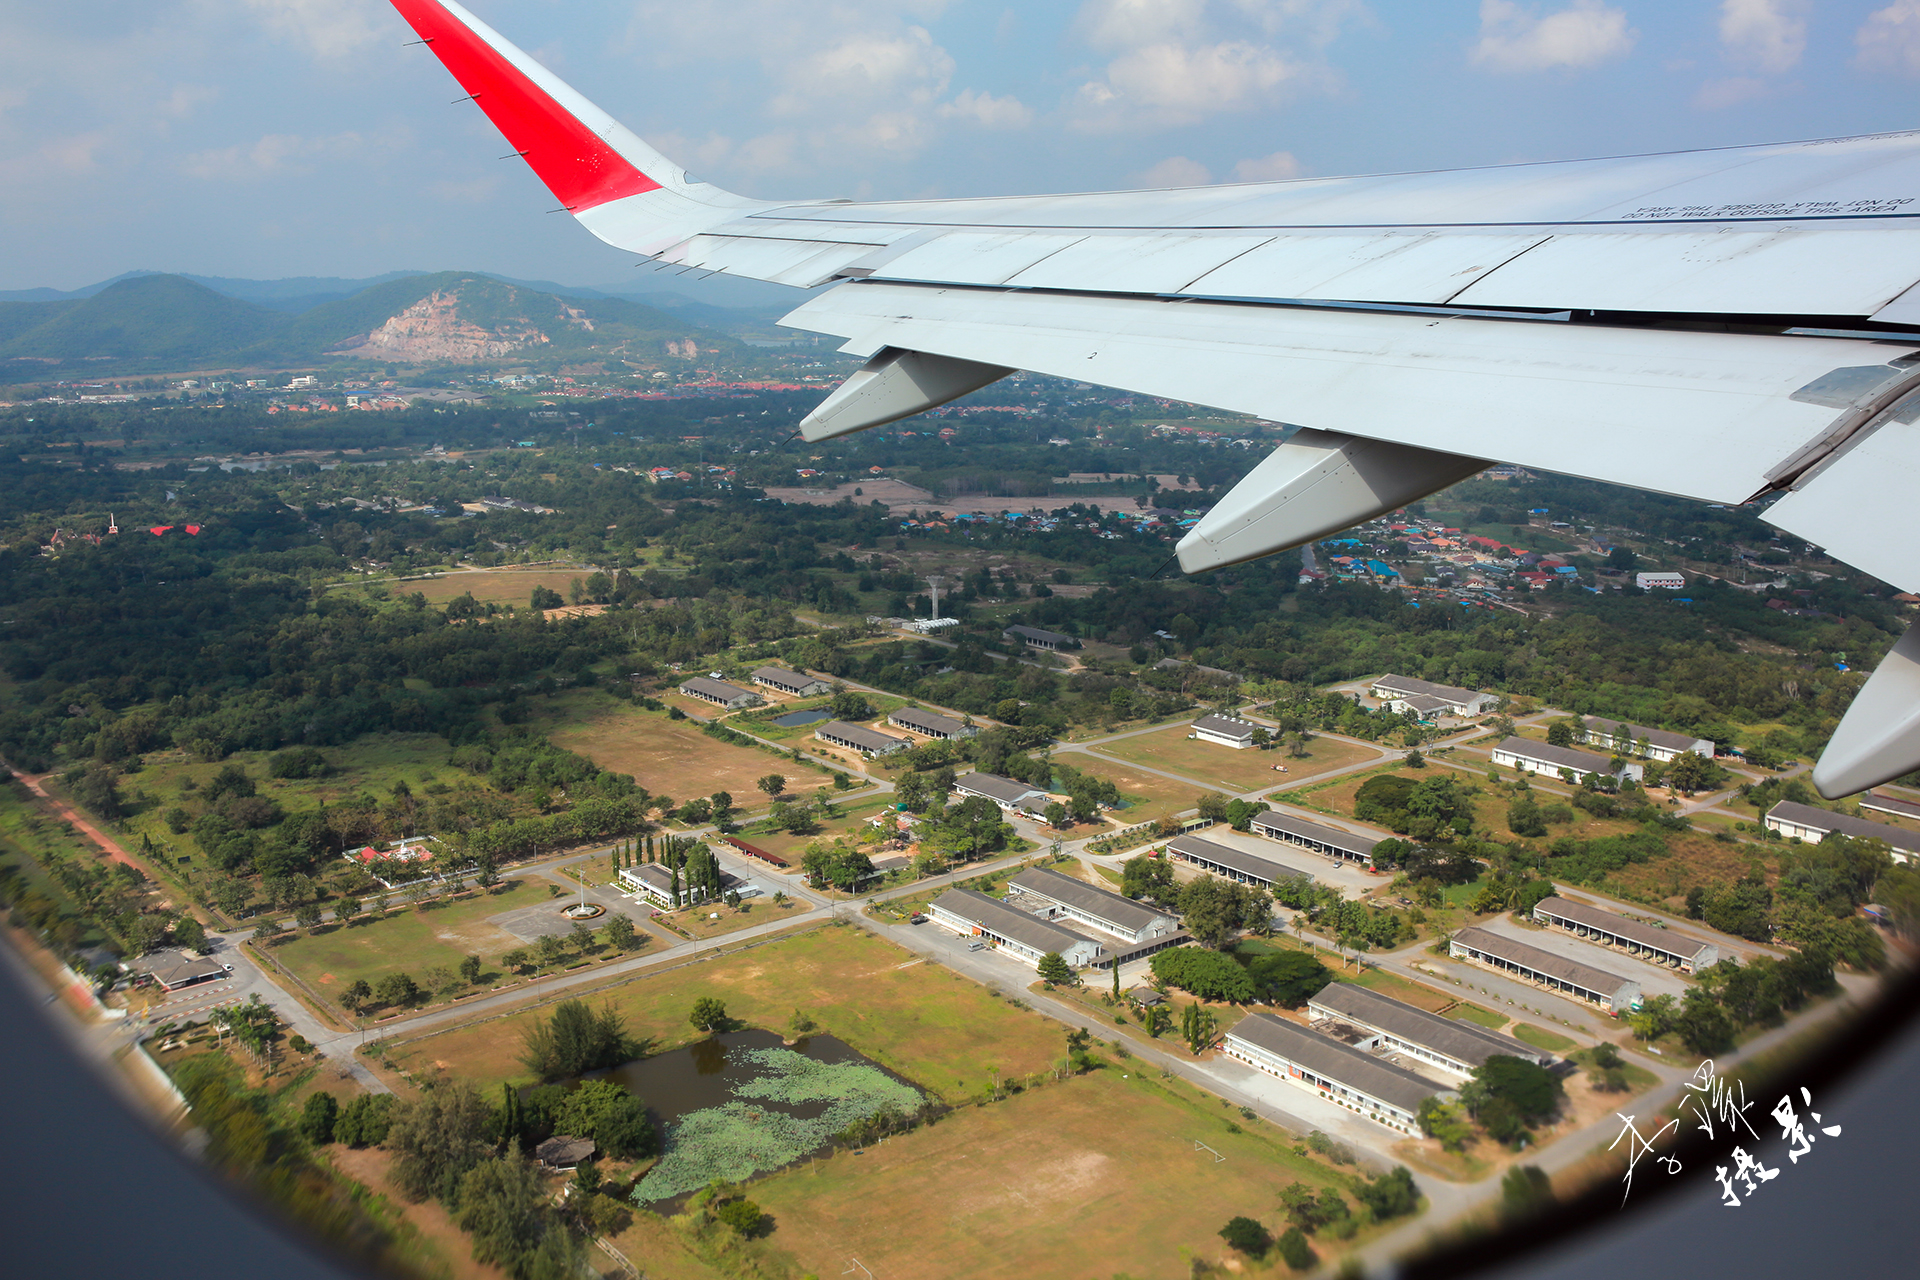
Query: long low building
[
  {"x": 1368, "y": 1020},
  {"x": 1012, "y": 796},
  {"x": 931, "y": 724},
  {"x": 1876, "y": 803},
  {"x": 1655, "y": 744},
  {"x": 1247, "y": 868},
  {"x": 795, "y": 684},
  {"x": 1021, "y": 933},
  {"x": 1360, "y": 1082},
  {"x": 1614, "y": 994},
  {"x": 1316, "y": 836},
  {"x": 1225, "y": 731},
  {"x": 1805, "y": 822},
  {"x": 720, "y": 693},
  {"x": 857, "y": 737},
  {"x": 1658, "y": 946},
  {"x": 655, "y": 882},
  {"x": 1067, "y": 898},
  {"x": 1542, "y": 757},
  {"x": 1461, "y": 702}
]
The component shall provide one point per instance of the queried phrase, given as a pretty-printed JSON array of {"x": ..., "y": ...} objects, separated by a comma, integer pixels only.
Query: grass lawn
[
  {"x": 1485, "y": 1017},
  {"x": 492, "y": 586},
  {"x": 1540, "y": 1039},
  {"x": 411, "y": 941},
  {"x": 753, "y": 911},
  {"x": 1149, "y": 796},
  {"x": 937, "y": 1029},
  {"x": 1213, "y": 765},
  {"x": 667, "y": 757},
  {"x": 988, "y": 1191}
]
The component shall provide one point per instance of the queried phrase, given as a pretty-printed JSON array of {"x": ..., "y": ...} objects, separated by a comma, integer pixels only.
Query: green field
[
  {"x": 1540, "y": 1039},
  {"x": 1213, "y": 765},
  {"x": 1474, "y": 1013},
  {"x": 410, "y": 941},
  {"x": 939, "y": 1030}
]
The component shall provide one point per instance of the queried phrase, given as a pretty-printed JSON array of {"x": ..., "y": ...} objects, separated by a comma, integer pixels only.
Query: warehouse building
[
  {"x": 1368, "y": 1020},
  {"x": 795, "y": 684},
  {"x": 1360, "y": 1082},
  {"x": 1460, "y": 702},
  {"x": 1804, "y": 822},
  {"x": 1655, "y": 744},
  {"x": 1247, "y": 868},
  {"x": 1614, "y": 994},
  {"x": 720, "y": 693},
  {"x": 1320, "y": 839},
  {"x": 1036, "y": 638},
  {"x": 1063, "y": 897},
  {"x": 1225, "y": 731},
  {"x": 931, "y": 724},
  {"x": 1540, "y": 757},
  {"x": 854, "y": 737},
  {"x": 1012, "y": 930},
  {"x": 1644, "y": 941},
  {"x": 1014, "y": 797}
]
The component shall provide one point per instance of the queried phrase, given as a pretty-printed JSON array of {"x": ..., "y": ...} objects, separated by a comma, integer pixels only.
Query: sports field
[
  {"x": 941, "y": 1031},
  {"x": 1213, "y": 765},
  {"x": 1095, "y": 1176},
  {"x": 667, "y": 757},
  {"x": 492, "y": 586}
]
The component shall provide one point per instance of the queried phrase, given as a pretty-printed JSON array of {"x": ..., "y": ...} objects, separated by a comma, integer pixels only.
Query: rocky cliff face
[{"x": 433, "y": 329}]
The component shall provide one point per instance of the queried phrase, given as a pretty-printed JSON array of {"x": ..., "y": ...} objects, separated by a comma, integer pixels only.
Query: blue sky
[{"x": 270, "y": 138}]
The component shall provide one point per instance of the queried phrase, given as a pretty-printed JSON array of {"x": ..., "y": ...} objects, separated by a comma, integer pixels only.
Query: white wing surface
[{"x": 1722, "y": 325}]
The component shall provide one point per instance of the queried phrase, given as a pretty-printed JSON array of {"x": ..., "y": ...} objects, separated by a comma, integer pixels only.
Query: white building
[
  {"x": 1386, "y": 1094},
  {"x": 1659, "y": 581},
  {"x": 1805, "y": 822},
  {"x": 1064, "y": 898},
  {"x": 1392, "y": 689},
  {"x": 1368, "y": 1020},
  {"x": 653, "y": 881},
  {"x": 856, "y": 737},
  {"x": 1017, "y": 932},
  {"x": 795, "y": 684},
  {"x": 720, "y": 693},
  {"x": 1655, "y": 744},
  {"x": 1614, "y": 994},
  {"x": 1014, "y": 797},
  {"x": 1540, "y": 757},
  {"x": 931, "y": 724},
  {"x": 1225, "y": 731}
]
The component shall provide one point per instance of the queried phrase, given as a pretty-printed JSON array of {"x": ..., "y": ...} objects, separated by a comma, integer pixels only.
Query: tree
[
  {"x": 720, "y": 807},
  {"x": 1289, "y": 978},
  {"x": 397, "y": 990},
  {"x": 1525, "y": 1190},
  {"x": 1529, "y": 1089},
  {"x": 1295, "y": 1250},
  {"x": 708, "y": 1014},
  {"x": 620, "y": 932},
  {"x": 518, "y": 960},
  {"x": 1248, "y": 1236},
  {"x": 486, "y": 874},
  {"x": 612, "y": 1117},
  {"x": 356, "y": 997},
  {"x": 1560, "y": 733},
  {"x": 189, "y": 933},
  {"x": 1390, "y": 1195},
  {"x": 364, "y": 1121},
  {"x": 1690, "y": 772},
  {"x": 1703, "y": 1025},
  {"x": 1058, "y": 816},
  {"x": 1213, "y": 805},
  {"x": 1211, "y": 975},
  {"x": 470, "y": 970},
  {"x": 773, "y": 784},
  {"x": 576, "y": 1039},
  {"x": 1197, "y": 1027},
  {"x": 307, "y": 916},
  {"x": 435, "y": 1139},
  {"x": 550, "y": 947},
  {"x": 1147, "y": 877},
  {"x": 1054, "y": 970},
  {"x": 744, "y": 1216},
  {"x": 346, "y": 909},
  {"x": 1445, "y": 1122},
  {"x": 1080, "y": 1050},
  {"x": 501, "y": 1204},
  {"x": 318, "y": 1117}
]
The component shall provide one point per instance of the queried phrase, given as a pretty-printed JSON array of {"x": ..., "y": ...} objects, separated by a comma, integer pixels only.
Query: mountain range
[{"x": 152, "y": 321}]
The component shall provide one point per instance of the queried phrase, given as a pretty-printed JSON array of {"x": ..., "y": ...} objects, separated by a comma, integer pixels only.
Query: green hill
[{"x": 147, "y": 318}]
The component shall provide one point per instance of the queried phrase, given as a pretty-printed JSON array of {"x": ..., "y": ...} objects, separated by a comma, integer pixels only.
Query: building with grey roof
[
  {"x": 1234, "y": 864},
  {"x": 856, "y": 737},
  {"x": 1655, "y": 744},
  {"x": 176, "y": 969},
  {"x": 1227, "y": 731},
  {"x": 1368, "y": 1020},
  {"x": 795, "y": 684},
  {"x": 1647, "y": 942},
  {"x": 931, "y": 724},
  {"x": 1316, "y": 836},
  {"x": 720, "y": 693},
  {"x": 1614, "y": 994},
  {"x": 1021, "y": 933},
  {"x": 1037, "y": 638},
  {"x": 1382, "y": 1092},
  {"x": 1877, "y": 803},
  {"x": 1461, "y": 702},
  {"x": 1010, "y": 795},
  {"x": 1104, "y": 909},
  {"x": 1805, "y": 822},
  {"x": 1539, "y": 757}
]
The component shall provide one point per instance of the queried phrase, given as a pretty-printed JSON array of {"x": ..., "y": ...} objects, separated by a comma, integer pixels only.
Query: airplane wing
[{"x": 1722, "y": 325}]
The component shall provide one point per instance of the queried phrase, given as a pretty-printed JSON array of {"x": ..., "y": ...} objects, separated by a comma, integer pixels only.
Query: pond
[
  {"x": 745, "y": 1103},
  {"x": 794, "y": 719}
]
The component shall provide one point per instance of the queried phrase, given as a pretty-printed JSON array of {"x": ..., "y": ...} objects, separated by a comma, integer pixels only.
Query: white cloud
[
  {"x": 271, "y": 155},
  {"x": 1764, "y": 33},
  {"x": 1582, "y": 35},
  {"x": 330, "y": 28},
  {"x": 862, "y": 68},
  {"x": 1889, "y": 40},
  {"x": 1179, "y": 62},
  {"x": 1174, "y": 171},
  {"x": 1274, "y": 168},
  {"x": 987, "y": 111},
  {"x": 1717, "y": 95}
]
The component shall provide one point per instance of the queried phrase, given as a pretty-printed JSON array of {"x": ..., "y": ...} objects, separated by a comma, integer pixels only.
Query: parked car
[{"x": 918, "y": 918}]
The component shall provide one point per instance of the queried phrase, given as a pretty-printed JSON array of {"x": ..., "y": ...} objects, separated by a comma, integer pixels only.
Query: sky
[{"x": 274, "y": 138}]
